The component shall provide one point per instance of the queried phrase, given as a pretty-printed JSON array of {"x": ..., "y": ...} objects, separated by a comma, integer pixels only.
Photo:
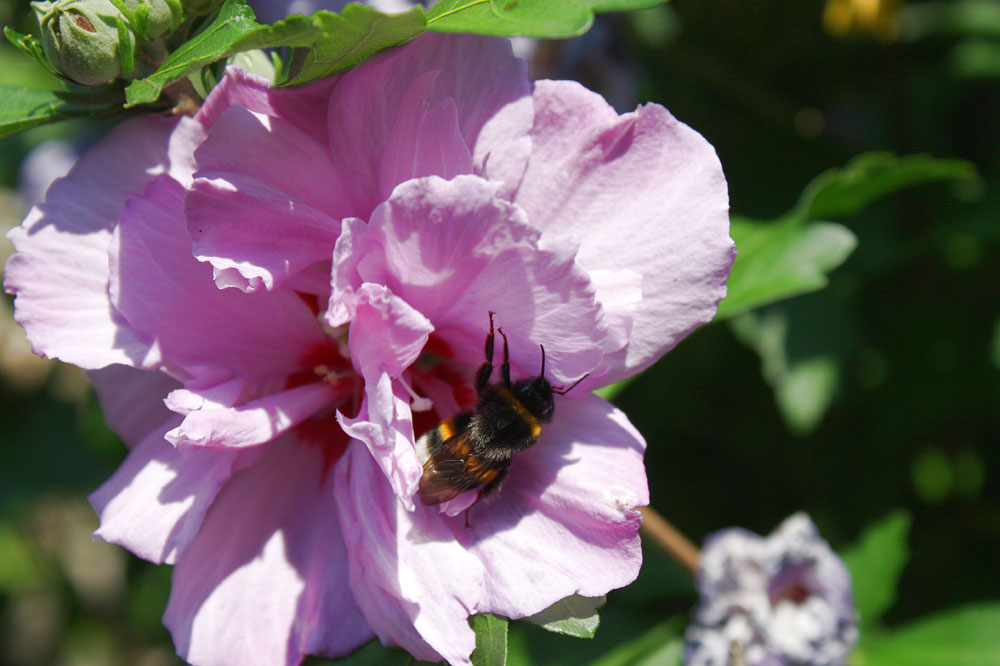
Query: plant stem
[{"x": 667, "y": 537}]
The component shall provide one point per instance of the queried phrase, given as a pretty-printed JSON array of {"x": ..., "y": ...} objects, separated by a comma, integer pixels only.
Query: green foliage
[
  {"x": 325, "y": 42},
  {"x": 29, "y": 45},
  {"x": 217, "y": 41},
  {"x": 659, "y": 646},
  {"x": 847, "y": 191},
  {"x": 803, "y": 387},
  {"x": 573, "y": 616},
  {"x": 528, "y": 18},
  {"x": 966, "y": 636},
  {"x": 781, "y": 259},
  {"x": 876, "y": 562},
  {"x": 346, "y": 39},
  {"x": 794, "y": 254},
  {"x": 491, "y": 640},
  {"x": 372, "y": 653},
  {"x": 22, "y": 108}
]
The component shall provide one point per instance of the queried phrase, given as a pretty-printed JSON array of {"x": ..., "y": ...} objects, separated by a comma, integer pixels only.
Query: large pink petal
[
  {"x": 60, "y": 271},
  {"x": 565, "y": 521},
  {"x": 170, "y": 299},
  {"x": 266, "y": 201},
  {"x": 132, "y": 400},
  {"x": 304, "y": 106},
  {"x": 155, "y": 502},
  {"x": 455, "y": 251},
  {"x": 254, "y": 236},
  {"x": 213, "y": 425},
  {"x": 486, "y": 84},
  {"x": 641, "y": 192},
  {"x": 266, "y": 579},
  {"x": 414, "y": 583},
  {"x": 424, "y": 141}
]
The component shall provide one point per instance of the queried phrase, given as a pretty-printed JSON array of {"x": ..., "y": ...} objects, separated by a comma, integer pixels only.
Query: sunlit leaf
[
  {"x": 573, "y": 616},
  {"x": 217, "y": 41},
  {"x": 660, "y": 639},
  {"x": 342, "y": 40},
  {"x": 844, "y": 192},
  {"x": 876, "y": 562},
  {"x": 781, "y": 259},
  {"x": 491, "y": 640},
  {"x": 23, "y": 108},
  {"x": 966, "y": 636},
  {"x": 372, "y": 653},
  {"x": 528, "y": 18}
]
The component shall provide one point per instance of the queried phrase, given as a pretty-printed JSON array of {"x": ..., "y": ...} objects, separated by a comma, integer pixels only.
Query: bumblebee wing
[{"x": 452, "y": 469}]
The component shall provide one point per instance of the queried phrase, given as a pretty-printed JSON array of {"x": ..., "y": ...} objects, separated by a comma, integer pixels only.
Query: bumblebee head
[{"x": 537, "y": 397}]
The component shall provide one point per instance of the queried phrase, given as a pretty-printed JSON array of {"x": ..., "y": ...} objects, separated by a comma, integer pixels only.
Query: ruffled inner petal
[
  {"x": 132, "y": 400},
  {"x": 403, "y": 566},
  {"x": 386, "y": 336},
  {"x": 253, "y": 235},
  {"x": 214, "y": 425},
  {"x": 455, "y": 251}
]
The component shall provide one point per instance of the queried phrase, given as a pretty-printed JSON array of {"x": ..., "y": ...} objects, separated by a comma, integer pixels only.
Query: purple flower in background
[
  {"x": 278, "y": 296},
  {"x": 783, "y": 600}
]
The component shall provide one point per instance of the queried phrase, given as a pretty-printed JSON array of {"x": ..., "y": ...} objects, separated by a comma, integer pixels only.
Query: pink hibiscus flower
[{"x": 278, "y": 296}]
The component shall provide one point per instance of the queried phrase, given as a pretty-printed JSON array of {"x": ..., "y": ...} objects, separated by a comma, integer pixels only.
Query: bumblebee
[{"x": 474, "y": 449}]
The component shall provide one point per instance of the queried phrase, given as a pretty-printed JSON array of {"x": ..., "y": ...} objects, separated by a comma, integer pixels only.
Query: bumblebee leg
[
  {"x": 493, "y": 485},
  {"x": 486, "y": 369},
  {"x": 505, "y": 368}
]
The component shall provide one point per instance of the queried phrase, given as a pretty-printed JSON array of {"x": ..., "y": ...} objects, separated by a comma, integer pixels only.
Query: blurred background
[{"x": 877, "y": 393}]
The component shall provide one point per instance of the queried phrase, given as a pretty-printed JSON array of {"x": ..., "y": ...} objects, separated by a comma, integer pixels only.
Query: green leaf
[
  {"x": 966, "y": 636},
  {"x": 23, "y": 108},
  {"x": 30, "y": 46},
  {"x": 573, "y": 616},
  {"x": 780, "y": 259},
  {"x": 844, "y": 192},
  {"x": 876, "y": 562},
  {"x": 612, "y": 391},
  {"x": 803, "y": 387},
  {"x": 667, "y": 654},
  {"x": 662, "y": 637},
  {"x": 339, "y": 41},
  {"x": 217, "y": 41},
  {"x": 491, "y": 640},
  {"x": 371, "y": 653},
  {"x": 126, "y": 56},
  {"x": 528, "y": 18}
]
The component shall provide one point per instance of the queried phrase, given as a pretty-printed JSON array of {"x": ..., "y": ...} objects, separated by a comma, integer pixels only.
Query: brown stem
[{"x": 667, "y": 537}]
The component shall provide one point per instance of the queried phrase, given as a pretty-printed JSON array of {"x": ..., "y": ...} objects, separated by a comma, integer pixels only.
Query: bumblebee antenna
[
  {"x": 573, "y": 386},
  {"x": 542, "y": 373}
]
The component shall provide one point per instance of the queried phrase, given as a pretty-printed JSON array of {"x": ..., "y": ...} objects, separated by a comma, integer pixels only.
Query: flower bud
[
  {"x": 80, "y": 38},
  {"x": 159, "y": 20}
]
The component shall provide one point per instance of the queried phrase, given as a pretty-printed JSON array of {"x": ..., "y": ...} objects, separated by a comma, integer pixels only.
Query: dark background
[{"x": 911, "y": 324}]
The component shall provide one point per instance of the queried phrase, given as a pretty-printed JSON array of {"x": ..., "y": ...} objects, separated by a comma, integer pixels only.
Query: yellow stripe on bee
[
  {"x": 446, "y": 429},
  {"x": 522, "y": 411}
]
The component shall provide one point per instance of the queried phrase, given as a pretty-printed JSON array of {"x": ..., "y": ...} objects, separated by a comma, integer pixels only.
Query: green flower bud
[
  {"x": 159, "y": 19},
  {"x": 80, "y": 39},
  {"x": 257, "y": 61}
]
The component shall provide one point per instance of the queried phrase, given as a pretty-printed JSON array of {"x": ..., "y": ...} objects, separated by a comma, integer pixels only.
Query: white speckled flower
[{"x": 784, "y": 600}]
